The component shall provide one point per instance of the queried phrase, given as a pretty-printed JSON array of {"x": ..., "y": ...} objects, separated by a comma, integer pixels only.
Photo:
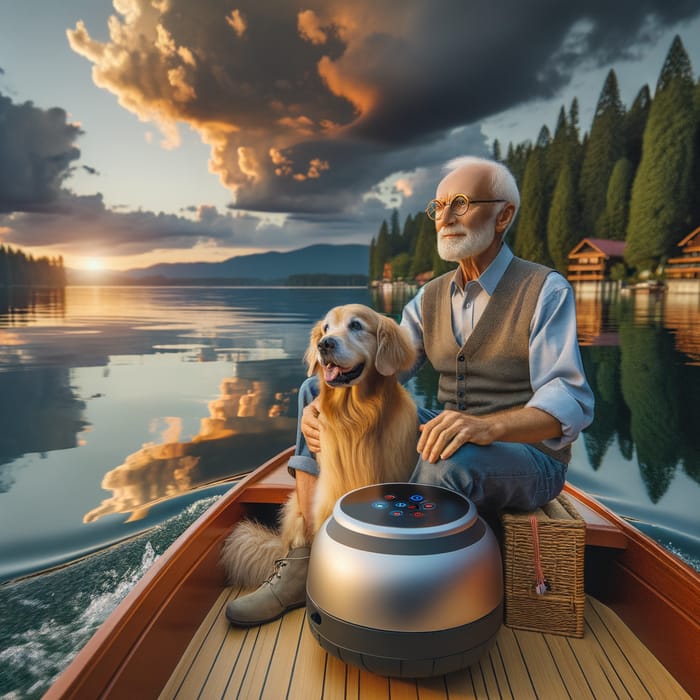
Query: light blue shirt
[{"x": 556, "y": 372}]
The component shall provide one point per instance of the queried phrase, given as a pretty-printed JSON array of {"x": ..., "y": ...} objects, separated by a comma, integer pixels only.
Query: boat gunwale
[
  {"x": 666, "y": 596},
  {"x": 102, "y": 659},
  {"x": 188, "y": 570}
]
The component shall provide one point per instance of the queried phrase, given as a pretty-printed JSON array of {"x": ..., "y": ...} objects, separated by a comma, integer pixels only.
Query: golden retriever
[{"x": 369, "y": 431}]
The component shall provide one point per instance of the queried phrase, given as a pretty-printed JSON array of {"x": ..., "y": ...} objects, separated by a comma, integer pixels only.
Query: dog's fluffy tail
[{"x": 249, "y": 553}]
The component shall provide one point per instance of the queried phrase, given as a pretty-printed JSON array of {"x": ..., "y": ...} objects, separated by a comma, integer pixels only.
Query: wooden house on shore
[
  {"x": 686, "y": 265},
  {"x": 592, "y": 259}
]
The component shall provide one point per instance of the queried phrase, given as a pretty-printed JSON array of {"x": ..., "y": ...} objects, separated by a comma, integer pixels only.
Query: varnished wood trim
[{"x": 657, "y": 595}]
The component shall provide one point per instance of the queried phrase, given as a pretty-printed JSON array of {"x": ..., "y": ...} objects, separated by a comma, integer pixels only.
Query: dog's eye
[
  {"x": 355, "y": 326},
  {"x": 325, "y": 328}
]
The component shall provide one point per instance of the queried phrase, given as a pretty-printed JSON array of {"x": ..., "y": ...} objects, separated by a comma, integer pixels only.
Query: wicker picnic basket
[{"x": 544, "y": 551}]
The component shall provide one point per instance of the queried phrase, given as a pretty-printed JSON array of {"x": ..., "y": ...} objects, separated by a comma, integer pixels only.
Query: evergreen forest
[
  {"x": 17, "y": 269},
  {"x": 634, "y": 177}
]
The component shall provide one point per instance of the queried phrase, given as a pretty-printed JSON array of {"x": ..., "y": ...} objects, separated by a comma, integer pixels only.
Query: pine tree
[
  {"x": 604, "y": 148},
  {"x": 497, "y": 151},
  {"x": 558, "y": 151},
  {"x": 613, "y": 221},
  {"x": 516, "y": 160},
  {"x": 635, "y": 123},
  {"x": 395, "y": 234},
  {"x": 425, "y": 246},
  {"x": 574, "y": 154},
  {"x": 563, "y": 222},
  {"x": 661, "y": 194},
  {"x": 382, "y": 251},
  {"x": 695, "y": 178},
  {"x": 530, "y": 240},
  {"x": 372, "y": 260},
  {"x": 409, "y": 234},
  {"x": 573, "y": 120}
]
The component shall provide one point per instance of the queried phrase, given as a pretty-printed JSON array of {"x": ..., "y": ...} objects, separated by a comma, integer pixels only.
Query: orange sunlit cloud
[{"x": 319, "y": 115}]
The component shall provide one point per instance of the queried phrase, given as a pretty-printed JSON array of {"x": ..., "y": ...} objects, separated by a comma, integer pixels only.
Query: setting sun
[{"x": 94, "y": 264}]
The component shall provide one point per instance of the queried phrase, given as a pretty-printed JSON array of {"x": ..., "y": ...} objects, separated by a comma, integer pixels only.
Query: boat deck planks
[{"x": 282, "y": 660}]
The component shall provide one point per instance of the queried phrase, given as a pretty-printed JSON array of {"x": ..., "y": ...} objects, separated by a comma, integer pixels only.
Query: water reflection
[
  {"x": 641, "y": 357},
  {"x": 115, "y": 402},
  {"x": 247, "y": 412},
  {"x": 39, "y": 412},
  {"x": 23, "y": 305}
]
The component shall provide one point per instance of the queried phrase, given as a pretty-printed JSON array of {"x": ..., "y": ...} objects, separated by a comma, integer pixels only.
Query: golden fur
[{"x": 368, "y": 431}]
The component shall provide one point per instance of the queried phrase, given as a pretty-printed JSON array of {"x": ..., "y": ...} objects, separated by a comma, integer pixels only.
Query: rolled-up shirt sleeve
[
  {"x": 556, "y": 370},
  {"x": 412, "y": 321}
]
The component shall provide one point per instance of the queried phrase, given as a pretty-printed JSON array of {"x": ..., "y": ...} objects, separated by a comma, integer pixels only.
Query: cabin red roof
[
  {"x": 689, "y": 238},
  {"x": 612, "y": 249}
]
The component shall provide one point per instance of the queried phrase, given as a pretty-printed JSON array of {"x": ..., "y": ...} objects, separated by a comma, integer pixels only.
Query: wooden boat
[{"x": 169, "y": 637}]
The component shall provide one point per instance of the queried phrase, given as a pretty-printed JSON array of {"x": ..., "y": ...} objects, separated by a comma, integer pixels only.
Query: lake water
[{"x": 124, "y": 411}]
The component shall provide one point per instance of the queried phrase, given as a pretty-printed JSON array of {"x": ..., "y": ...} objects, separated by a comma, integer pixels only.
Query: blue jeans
[{"x": 500, "y": 475}]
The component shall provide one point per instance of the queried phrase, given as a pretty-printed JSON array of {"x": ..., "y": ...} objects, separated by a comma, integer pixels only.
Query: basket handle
[{"x": 541, "y": 585}]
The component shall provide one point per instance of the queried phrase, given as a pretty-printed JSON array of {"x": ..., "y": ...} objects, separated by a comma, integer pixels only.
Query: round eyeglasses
[{"x": 459, "y": 204}]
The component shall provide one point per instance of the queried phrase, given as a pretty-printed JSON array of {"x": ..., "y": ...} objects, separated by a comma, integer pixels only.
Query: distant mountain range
[{"x": 274, "y": 266}]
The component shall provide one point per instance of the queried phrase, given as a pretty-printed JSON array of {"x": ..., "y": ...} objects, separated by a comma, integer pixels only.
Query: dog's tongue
[{"x": 331, "y": 372}]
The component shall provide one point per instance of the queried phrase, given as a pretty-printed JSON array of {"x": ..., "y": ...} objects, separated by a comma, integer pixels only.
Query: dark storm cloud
[
  {"x": 309, "y": 103},
  {"x": 37, "y": 148},
  {"x": 79, "y": 223}
]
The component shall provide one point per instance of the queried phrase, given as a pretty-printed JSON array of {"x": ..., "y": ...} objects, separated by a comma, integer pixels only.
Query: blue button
[
  {"x": 380, "y": 505},
  {"x": 400, "y": 504},
  {"x": 416, "y": 498}
]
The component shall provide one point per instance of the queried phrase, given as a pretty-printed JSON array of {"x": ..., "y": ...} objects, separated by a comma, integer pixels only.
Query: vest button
[
  {"x": 461, "y": 406},
  {"x": 460, "y": 394},
  {"x": 460, "y": 377},
  {"x": 461, "y": 358}
]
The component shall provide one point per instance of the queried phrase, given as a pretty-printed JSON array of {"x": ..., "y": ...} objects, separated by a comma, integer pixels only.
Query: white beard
[{"x": 475, "y": 241}]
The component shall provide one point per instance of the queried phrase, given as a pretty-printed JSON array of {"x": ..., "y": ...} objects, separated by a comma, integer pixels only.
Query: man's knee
[{"x": 450, "y": 473}]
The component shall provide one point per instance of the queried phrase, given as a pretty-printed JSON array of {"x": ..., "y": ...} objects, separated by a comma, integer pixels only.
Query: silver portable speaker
[{"x": 405, "y": 580}]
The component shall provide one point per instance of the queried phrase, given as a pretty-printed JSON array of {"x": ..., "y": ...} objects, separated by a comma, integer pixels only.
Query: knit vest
[{"x": 491, "y": 371}]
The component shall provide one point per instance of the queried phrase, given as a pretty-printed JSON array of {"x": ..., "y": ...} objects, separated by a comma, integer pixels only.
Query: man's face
[{"x": 470, "y": 234}]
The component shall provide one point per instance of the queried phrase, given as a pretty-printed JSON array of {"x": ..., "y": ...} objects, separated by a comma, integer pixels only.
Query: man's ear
[{"x": 505, "y": 217}]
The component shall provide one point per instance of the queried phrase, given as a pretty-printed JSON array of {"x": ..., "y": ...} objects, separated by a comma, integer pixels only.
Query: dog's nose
[{"x": 327, "y": 344}]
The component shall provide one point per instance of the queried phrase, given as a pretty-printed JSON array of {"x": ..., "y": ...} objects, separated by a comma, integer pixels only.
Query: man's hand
[
  {"x": 311, "y": 426},
  {"x": 443, "y": 435}
]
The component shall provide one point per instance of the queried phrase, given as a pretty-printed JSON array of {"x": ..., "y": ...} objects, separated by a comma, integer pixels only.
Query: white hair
[{"x": 503, "y": 184}]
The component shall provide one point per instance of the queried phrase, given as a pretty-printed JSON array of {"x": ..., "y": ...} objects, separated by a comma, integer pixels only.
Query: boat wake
[{"x": 47, "y": 619}]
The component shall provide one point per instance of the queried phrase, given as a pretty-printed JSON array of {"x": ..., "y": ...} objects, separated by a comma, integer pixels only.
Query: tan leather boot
[{"x": 284, "y": 590}]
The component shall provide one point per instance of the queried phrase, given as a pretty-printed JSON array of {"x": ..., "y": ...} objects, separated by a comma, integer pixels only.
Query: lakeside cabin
[
  {"x": 592, "y": 258},
  {"x": 686, "y": 265}
]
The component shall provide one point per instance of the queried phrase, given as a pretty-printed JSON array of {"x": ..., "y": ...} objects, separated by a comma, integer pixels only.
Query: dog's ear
[
  {"x": 395, "y": 351},
  {"x": 311, "y": 355}
]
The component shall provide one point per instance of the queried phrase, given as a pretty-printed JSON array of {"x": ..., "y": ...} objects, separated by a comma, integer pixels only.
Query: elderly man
[{"x": 501, "y": 332}]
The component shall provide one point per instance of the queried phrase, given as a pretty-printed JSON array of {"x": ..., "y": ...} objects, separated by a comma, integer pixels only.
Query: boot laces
[{"x": 280, "y": 564}]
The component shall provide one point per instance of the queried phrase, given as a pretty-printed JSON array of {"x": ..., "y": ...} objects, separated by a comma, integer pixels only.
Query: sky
[{"x": 135, "y": 132}]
